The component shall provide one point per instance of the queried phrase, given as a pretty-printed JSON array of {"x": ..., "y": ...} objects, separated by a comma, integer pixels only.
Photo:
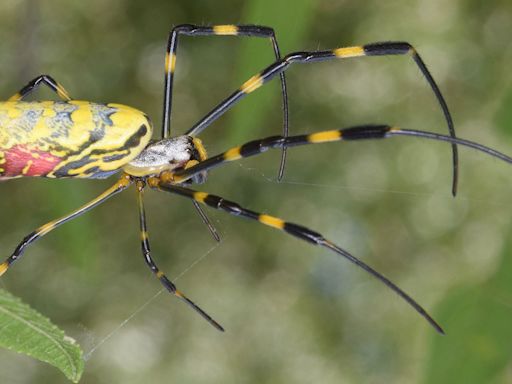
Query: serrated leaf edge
[{"x": 52, "y": 339}]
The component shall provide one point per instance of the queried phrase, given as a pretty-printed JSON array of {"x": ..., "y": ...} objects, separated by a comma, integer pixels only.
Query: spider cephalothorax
[{"x": 167, "y": 155}]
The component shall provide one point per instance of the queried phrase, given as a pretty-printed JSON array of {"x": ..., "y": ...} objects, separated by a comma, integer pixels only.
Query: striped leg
[
  {"x": 374, "y": 49},
  {"x": 38, "y": 81},
  {"x": 296, "y": 230},
  {"x": 218, "y": 30},
  {"x": 146, "y": 252},
  {"x": 121, "y": 185},
  {"x": 170, "y": 65},
  {"x": 362, "y": 132}
]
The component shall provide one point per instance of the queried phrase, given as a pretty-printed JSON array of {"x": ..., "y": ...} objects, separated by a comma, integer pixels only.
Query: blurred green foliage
[{"x": 293, "y": 313}]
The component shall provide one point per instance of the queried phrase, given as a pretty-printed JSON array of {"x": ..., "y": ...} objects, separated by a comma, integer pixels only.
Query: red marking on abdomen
[{"x": 22, "y": 161}]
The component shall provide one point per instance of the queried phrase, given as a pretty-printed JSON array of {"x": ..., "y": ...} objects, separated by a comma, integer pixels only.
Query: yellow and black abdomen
[{"x": 69, "y": 139}]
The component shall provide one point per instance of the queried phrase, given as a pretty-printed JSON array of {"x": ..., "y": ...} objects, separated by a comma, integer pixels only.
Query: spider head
[{"x": 168, "y": 155}]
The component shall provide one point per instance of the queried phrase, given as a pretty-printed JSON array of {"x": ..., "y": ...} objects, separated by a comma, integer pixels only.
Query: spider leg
[
  {"x": 218, "y": 30},
  {"x": 296, "y": 230},
  {"x": 374, "y": 49},
  {"x": 123, "y": 183},
  {"x": 362, "y": 132},
  {"x": 36, "y": 83},
  {"x": 146, "y": 252},
  {"x": 206, "y": 221},
  {"x": 170, "y": 66}
]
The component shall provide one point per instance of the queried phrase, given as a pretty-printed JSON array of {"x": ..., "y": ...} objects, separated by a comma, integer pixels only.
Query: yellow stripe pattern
[
  {"x": 15, "y": 97},
  {"x": 26, "y": 168},
  {"x": 198, "y": 144},
  {"x": 68, "y": 141},
  {"x": 325, "y": 136},
  {"x": 349, "y": 52},
  {"x": 252, "y": 84},
  {"x": 232, "y": 154},
  {"x": 44, "y": 229},
  {"x": 200, "y": 196},
  {"x": 3, "y": 267},
  {"x": 225, "y": 29},
  {"x": 271, "y": 221},
  {"x": 170, "y": 62},
  {"x": 62, "y": 92}
]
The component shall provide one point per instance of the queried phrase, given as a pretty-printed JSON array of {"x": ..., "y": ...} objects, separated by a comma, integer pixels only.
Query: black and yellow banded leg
[
  {"x": 170, "y": 66},
  {"x": 363, "y": 132},
  {"x": 36, "y": 83},
  {"x": 295, "y": 230},
  {"x": 218, "y": 30},
  {"x": 119, "y": 186},
  {"x": 374, "y": 49},
  {"x": 146, "y": 252}
]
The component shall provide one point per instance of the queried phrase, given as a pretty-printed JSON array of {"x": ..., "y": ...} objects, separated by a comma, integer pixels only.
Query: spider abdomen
[{"x": 77, "y": 139}]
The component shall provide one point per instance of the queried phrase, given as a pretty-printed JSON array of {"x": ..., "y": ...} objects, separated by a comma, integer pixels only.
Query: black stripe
[
  {"x": 230, "y": 207},
  {"x": 218, "y": 159},
  {"x": 135, "y": 139},
  {"x": 387, "y": 48},
  {"x": 365, "y": 132},
  {"x": 303, "y": 233},
  {"x": 304, "y": 57},
  {"x": 189, "y": 30},
  {"x": 168, "y": 284},
  {"x": 251, "y": 148},
  {"x": 111, "y": 158},
  {"x": 255, "y": 30},
  {"x": 259, "y": 146},
  {"x": 292, "y": 141},
  {"x": 132, "y": 141},
  {"x": 273, "y": 142},
  {"x": 64, "y": 170},
  {"x": 97, "y": 173},
  {"x": 212, "y": 201}
]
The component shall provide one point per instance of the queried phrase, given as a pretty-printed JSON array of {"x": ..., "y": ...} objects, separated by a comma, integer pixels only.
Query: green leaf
[{"x": 24, "y": 330}]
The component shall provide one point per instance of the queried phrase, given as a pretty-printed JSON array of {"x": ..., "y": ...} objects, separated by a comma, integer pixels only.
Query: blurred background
[{"x": 293, "y": 313}]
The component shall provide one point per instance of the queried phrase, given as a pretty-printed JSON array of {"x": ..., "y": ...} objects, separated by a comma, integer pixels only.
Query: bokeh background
[{"x": 293, "y": 313}]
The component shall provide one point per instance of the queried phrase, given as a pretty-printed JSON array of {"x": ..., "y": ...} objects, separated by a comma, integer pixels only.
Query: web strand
[{"x": 143, "y": 306}]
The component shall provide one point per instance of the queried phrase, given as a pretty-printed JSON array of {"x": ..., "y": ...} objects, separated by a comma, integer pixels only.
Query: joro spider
[{"x": 82, "y": 139}]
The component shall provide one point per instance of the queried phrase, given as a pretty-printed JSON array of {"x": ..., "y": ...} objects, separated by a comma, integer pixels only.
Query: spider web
[
  {"x": 143, "y": 306},
  {"x": 261, "y": 176}
]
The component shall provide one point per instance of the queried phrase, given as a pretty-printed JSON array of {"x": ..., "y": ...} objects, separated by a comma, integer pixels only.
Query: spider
[{"x": 82, "y": 139}]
